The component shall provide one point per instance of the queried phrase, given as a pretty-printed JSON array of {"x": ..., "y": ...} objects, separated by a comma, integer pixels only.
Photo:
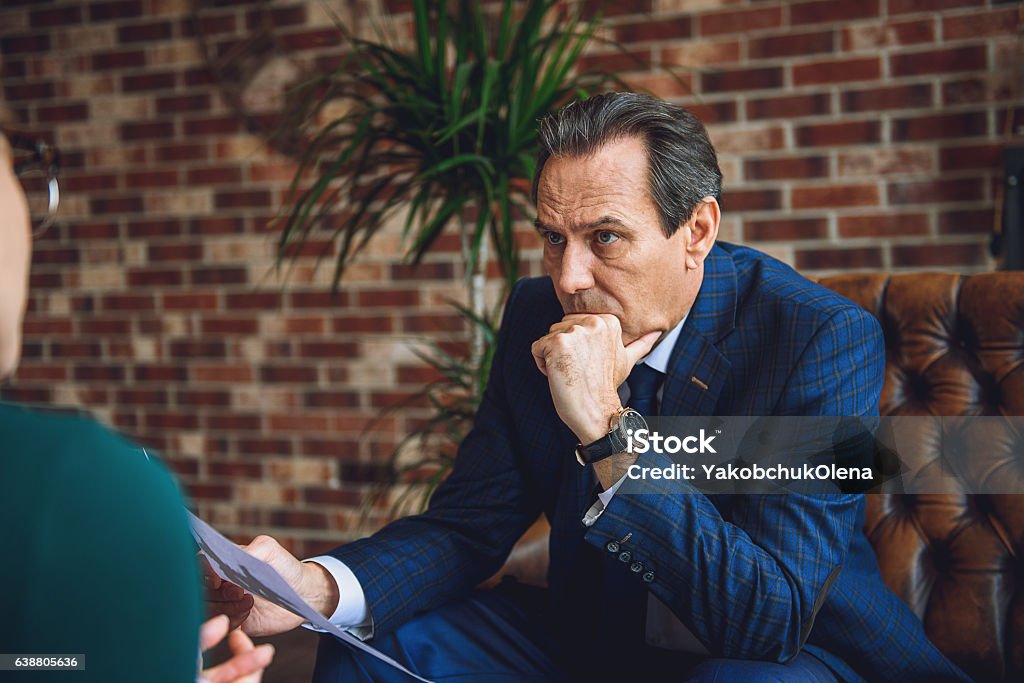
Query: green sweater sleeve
[{"x": 97, "y": 555}]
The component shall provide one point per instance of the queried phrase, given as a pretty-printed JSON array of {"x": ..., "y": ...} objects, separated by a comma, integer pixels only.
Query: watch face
[{"x": 631, "y": 420}]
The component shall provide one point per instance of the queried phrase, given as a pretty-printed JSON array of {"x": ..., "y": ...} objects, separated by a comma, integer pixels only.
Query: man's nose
[{"x": 576, "y": 273}]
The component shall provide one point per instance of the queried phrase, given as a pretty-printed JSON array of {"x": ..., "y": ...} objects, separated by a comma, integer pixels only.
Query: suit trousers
[{"x": 502, "y": 636}]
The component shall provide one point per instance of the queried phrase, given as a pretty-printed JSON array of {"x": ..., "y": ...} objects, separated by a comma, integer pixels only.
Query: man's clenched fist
[{"x": 585, "y": 361}]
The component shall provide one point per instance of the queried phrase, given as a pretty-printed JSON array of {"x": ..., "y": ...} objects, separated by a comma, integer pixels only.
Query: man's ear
[{"x": 703, "y": 231}]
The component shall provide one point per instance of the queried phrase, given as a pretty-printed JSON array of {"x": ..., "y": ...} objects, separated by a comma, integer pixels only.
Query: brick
[
  {"x": 177, "y": 104},
  {"x": 38, "y": 90},
  {"x": 209, "y": 23},
  {"x": 714, "y": 112},
  {"x": 883, "y": 225},
  {"x": 63, "y": 16},
  {"x": 151, "y": 277},
  {"x": 189, "y": 151},
  {"x": 625, "y": 60},
  {"x": 392, "y": 297},
  {"x": 105, "y": 326},
  {"x": 693, "y": 53},
  {"x": 913, "y": 6},
  {"x": 24, "y": 44},
  {"x": 891, "y": 34},
  {"x": 143, "y": 396},
  {"x": 837, "y": 71},
  {"x": 198, "y": 348},
  {"x": 191, "y": 301},
  {"x": 961, "y": 125},
  {"x": 751, "y": 200},
  {"x": 128, "y": 302},
  {"x": 233, "y": 422},
  {"x": 88, "y": 183},
  {"x": 785, "y": 229},
  {"x": 98, "y": 373},
  {"x": 913, "y": 96},
  {"x": 219, "y": 275},
  {"x": 231, "y": 325},
  {"x": 148, "y": 372},
  {"x": 87, "y": 231},
  {"x": 971, "y": 157},
  {"x": 948, "y": 60},
  {"x": 924, "y": 192},
  {"x": 199, "y": 77},
  {"x": 935, "y": 255},
  {"x": 980, "y": 23},
  {"x": 328, "y": 349},
  {"x": 43, "y": 373},
  {"x": 265, "y": 446},
  {"x": 122, "y": 9},
  {"x": 255, "y": 300},
  {"x": 299, "y": 423},
  {"x": 789, "y": 106},
  {"x": 118, "y": 59},
  {"x": 154, "y": 228},
  {"x": 188, "y": 253},
  {"x": 132, "y": 204},
  {"x": 839, "y": 258},
  {"x": 236, "y": 470},
  {"x": 886, "y": 161},
  {"x": 213, "y": 125},
  {"x": 330, "y": 399},
  {"x": 364, "y": 472},
  {"x": 788, "y": 167},
  {"x": 141, "y": 33},
  {"x": 654, "y": 30},
  {"x": 832, "y": 11},
  {"x": 740, "y": 21},
  {"x": 317, "y": 299},
  {"x": 55, "y": 256},
  {"x": 590, "y": 7},
  {"x": 975, "y": 90},
  {"x": 74, "y": 349},
  {"x": 834, "y": 196},
  {"x": 221, "y": 373},
  {"x": 149, "y": 81},
  {"x": 422, "y": 271},
  {"x": 236, "y": 199},
  {"x": 725, "y": 80},
  {"x": 215, "y": 175},
  {"x": 966, "y": 221},
  {"x": 147, "y": 130},
  {"x": 148, "y": 179},
  {"x": 212, "y": 398},
  {"x": 361, "y": 324},
  {"x": 791, "y": 45},
  {"x": 834, "y": 134},
  {"x": 216, "y": 225},
  {"x": 309, "y": 39}
]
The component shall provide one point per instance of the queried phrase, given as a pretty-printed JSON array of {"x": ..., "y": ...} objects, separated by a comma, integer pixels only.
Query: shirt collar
[{"x": 660, "y": 355}]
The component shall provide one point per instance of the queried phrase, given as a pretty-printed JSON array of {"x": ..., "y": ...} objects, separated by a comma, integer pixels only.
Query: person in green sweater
[{"x": 96, "y": 560}]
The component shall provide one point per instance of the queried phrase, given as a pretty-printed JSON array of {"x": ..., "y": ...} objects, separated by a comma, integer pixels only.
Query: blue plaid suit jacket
[{"x": 748, "y": 575}]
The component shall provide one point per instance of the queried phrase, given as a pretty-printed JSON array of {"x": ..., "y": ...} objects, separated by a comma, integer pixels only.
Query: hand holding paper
[{"x": 283, "y": 604}]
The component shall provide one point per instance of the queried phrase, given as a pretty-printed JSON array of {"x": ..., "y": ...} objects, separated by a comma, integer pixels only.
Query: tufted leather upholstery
[{"x": 954, "y": 346}]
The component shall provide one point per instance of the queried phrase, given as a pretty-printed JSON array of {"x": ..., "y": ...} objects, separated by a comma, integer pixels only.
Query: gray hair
[{"x": 682, "y": 164}]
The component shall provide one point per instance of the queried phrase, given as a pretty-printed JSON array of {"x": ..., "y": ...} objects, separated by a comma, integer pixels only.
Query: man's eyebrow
[{"x": 599, "y": 223}]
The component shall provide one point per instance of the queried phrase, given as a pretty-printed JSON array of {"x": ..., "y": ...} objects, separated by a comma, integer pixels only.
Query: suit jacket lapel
[{"x": 697, "y": 370}]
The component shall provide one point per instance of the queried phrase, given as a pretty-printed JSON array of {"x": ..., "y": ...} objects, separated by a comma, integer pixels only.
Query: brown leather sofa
[{"x": 954, "y": 346}]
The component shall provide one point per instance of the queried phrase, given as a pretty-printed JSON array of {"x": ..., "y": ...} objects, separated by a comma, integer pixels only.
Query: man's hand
[
  {"x": 247, "y": 660},
  {"x": 585, "y": 362},
  {"x": 257, "y": 616}
]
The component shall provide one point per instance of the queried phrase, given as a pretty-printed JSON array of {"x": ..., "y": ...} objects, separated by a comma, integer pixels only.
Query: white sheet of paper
[{"x": 259, "y": 578}]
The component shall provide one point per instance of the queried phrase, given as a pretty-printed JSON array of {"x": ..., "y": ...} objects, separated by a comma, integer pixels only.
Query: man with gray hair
[{"x": 641, "y": 313}]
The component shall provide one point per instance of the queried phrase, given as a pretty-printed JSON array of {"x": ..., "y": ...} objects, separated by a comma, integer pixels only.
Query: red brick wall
[{"x": 852, "y": 135}]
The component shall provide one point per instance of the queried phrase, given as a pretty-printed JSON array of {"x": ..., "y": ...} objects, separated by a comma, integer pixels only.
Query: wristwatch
[{"x": 623, "y": 423}]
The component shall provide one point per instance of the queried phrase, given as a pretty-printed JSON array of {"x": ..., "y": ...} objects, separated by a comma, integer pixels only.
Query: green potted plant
[{"x": 445, "y": 130}]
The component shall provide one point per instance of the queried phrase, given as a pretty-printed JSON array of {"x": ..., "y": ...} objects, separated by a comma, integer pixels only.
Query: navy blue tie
[{"x": 643, "y": 384}]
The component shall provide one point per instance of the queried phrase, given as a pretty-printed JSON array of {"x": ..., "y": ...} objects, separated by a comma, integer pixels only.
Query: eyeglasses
[{"x": 36, "y": 164}]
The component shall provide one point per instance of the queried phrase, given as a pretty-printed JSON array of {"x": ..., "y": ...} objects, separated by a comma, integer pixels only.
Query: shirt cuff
[
  {"x": 603, "y": 498},
  {"x": 351, "y": 610}
]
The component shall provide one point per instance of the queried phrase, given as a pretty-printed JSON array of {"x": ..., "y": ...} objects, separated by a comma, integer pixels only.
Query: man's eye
[
  {"x": 553, "y": 238},
  {"x": 606, "y": 237}
]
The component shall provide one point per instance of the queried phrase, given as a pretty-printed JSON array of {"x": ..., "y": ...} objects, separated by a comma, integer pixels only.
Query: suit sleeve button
[
  {"x": 648, "y": 577},
  {"x": 625, "y": 556},
  {"x": 612, "y": 547},
  {"x": 636, "y": 567}
]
